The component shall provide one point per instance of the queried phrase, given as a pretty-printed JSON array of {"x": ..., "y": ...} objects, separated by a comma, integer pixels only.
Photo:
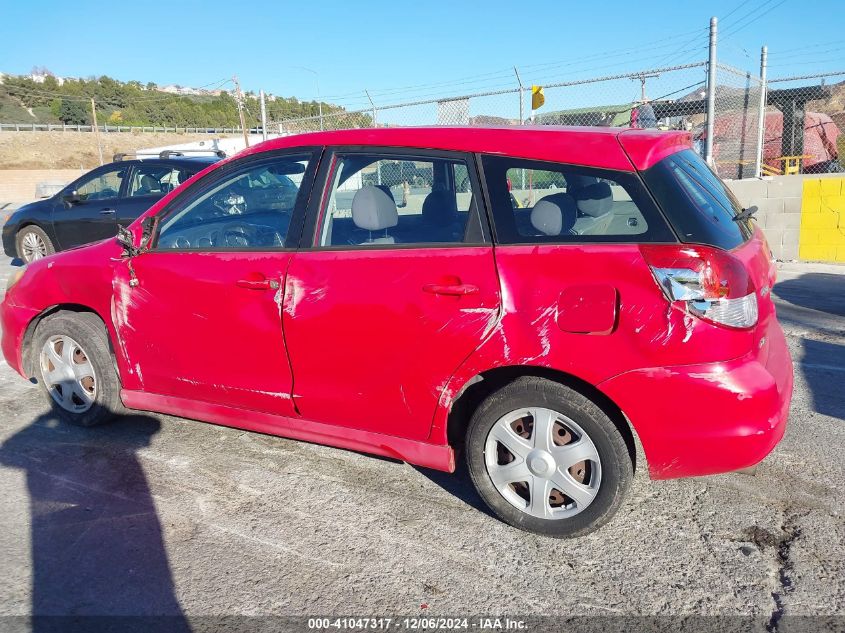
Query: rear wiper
[{"x": 745, "y": 214}]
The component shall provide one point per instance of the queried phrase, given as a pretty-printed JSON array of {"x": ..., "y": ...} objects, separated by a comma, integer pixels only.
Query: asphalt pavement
[{"x": 158, "y": 515}]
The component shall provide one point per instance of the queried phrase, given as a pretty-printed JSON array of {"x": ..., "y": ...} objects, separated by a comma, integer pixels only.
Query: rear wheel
[
  {"x": 546, "y": 459},
  {"x": 74, "y": 366},
  {"x": 32, "y": 243}
]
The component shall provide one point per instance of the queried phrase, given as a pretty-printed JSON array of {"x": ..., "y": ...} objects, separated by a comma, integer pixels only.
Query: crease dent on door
[{"x": 369, "y": 346}]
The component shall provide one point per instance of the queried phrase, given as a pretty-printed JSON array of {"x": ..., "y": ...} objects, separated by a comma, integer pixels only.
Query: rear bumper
[
  {"x": 711, "y": 418},
  {"x": 14, "y": 321}
]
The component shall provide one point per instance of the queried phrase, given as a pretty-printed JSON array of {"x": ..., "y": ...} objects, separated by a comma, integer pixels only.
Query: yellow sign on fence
[{"x": 822, "y": 236}]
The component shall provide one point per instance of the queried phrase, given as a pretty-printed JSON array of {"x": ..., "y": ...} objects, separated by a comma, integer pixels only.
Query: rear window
[
  {"x": 699, "y": 206},
  {"x": 542, "y": 202}
]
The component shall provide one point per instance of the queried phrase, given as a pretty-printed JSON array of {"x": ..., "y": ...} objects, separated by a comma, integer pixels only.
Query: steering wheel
[{"x": 237, "y": 235}]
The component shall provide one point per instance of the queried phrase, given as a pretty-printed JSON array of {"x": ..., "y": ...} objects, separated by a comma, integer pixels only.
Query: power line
[
  {"x": 802, "y": 48},
  {"x": 736, "y": 28},
  {"x": 735, "y": 9},
  {"x": 509, "y": 72},
  {"x": 538, "y": 79}
]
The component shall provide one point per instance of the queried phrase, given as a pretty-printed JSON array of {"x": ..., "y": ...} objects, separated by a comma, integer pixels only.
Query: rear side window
[
  {"x": 700, "y": 206},
  {"x": 157, "y": 180},
  {"x": 535, "y": 202},
  {"x": 384, "y": 201}
]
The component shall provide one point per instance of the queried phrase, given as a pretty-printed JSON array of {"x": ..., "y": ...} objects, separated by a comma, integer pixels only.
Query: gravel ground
[{"x": 158, "y": 515}]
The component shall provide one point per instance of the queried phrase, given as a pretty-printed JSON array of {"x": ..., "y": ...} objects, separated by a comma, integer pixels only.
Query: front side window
[
  {"x": 535, "y": 202},
  {"x": 378, "y": 200},
  {"x": 157, "y": 180},
  {"x": 250, "y": 208},
  {"x": 104, "y": 185}
]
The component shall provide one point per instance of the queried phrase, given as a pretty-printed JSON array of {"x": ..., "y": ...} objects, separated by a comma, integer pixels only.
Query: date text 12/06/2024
[{"x": 417, "y": 623}]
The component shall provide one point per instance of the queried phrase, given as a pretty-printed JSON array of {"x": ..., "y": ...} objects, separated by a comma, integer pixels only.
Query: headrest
[
  {"x": 554, "y": 214},
  {"x": 149, "y": 183},
  {"x": 386, "y": 190},
  {"x": 594, "y": 200},
  {"x": 439, "y": 208},
  {"x": 373, "y": 209},
  {"x": 576, "y": 181}
]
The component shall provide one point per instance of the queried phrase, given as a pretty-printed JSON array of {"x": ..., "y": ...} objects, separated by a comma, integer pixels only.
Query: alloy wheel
[
  {"x": 68, "y": 374},
  {"x": 32, "y": 247}
]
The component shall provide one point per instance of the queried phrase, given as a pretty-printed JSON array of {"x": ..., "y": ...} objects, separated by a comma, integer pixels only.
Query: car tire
[
  {"x": 72, "y": 361},
  {"x": 576, "y": 426},
  {"x": 33, "y": 243}
]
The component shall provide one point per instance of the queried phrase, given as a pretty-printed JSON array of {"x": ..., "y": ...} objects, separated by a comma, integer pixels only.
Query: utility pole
[
  {"x": 96, "y": 129},
  {"x": 521, "y": 88},
  {"x": 239, "y": 97},
  {"x": 711, "y": 92},
  {"x": 761, "y": 113},
  {"x": 641, "y": 78},
  {"x": 521, "y": 117},
  {"x": 375, "y": 124},
  {"x": 263, "y": 116},
  {"x": 373, "y": 106}
]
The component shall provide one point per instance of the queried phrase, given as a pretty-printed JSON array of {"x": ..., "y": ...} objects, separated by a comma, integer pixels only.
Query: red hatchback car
[{"x": 537, "y": 297}]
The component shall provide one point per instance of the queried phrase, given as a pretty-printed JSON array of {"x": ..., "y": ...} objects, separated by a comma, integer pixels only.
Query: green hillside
[{"x": 23, "y": 100}]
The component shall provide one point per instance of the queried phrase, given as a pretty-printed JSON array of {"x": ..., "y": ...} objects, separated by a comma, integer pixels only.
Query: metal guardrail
[{"x": 56, "y": 127}]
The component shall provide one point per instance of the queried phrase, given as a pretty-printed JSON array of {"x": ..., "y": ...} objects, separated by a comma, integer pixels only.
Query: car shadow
[
  {"x": 458, "y": 484},
  {"x": 824, "y": 292},
  {"x": 816, "y": 302},
  {"x": 98, "y": 557},
  {"x": 823, "y": 367}
]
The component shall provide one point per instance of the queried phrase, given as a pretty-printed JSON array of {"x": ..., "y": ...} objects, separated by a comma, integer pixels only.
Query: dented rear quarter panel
[{"x": 647, "y": 331}]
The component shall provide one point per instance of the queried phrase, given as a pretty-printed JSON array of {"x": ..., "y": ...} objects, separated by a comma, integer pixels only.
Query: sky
[{"x": 403, "y": 51}]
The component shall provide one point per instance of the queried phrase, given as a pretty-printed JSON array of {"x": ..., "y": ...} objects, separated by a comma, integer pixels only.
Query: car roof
[{"x": 604, "y": 147}]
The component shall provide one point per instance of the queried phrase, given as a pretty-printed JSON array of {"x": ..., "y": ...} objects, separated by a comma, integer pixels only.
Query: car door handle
[
  {"x": 456, "y": 290},
  {"x": 258, "y": 284},
  {"x": 107, "y": 211}
]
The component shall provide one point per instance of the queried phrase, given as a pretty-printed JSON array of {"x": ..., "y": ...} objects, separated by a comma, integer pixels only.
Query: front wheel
[
  {"x": 33, "y": 243},
  {"x": 546, "y": 459},
  {"x": 73, "y": 363}
]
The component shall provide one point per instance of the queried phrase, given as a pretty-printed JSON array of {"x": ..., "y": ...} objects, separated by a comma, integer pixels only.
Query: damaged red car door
[
  {"x": 399, "y": 288},
  {"x": 199, "y": 315}
]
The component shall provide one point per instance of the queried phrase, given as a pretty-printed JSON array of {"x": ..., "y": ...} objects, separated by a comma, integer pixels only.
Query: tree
[{"x": 73, "y": 113}]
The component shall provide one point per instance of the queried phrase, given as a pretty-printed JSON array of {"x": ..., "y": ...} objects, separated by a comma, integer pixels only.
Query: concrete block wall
[
  {"x": 823, "y": 220},
  {"x": 778, "y": 200},
  {"x": 19, "y": 185}
]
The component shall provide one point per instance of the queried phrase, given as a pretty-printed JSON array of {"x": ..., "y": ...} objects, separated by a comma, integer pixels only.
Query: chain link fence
[
  {"x": 615, "y": 100},
  {"x": 801, "y": 123},
  {"x": 805, "y": 116},
  {"x": 735, "y": 123}
]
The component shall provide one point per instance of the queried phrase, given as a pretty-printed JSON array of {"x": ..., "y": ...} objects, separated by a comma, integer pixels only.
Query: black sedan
[{"x": 91, "y": 207}]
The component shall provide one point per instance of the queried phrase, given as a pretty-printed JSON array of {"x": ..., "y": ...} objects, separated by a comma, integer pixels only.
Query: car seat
[
  {"x": 440, "y": 219},
  {"x": 554, "y": 214},
  {"x": 148, "y": 185},
  {"x": 374, "y": 210},
  {"x": 595, "y": 208}
]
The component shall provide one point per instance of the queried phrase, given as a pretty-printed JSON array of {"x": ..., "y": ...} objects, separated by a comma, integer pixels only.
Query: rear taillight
[{"x": 707, "y": 282}]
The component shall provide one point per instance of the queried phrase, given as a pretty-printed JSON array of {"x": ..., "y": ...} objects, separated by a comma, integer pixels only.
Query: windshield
[{"x": 699, "y": 206}]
